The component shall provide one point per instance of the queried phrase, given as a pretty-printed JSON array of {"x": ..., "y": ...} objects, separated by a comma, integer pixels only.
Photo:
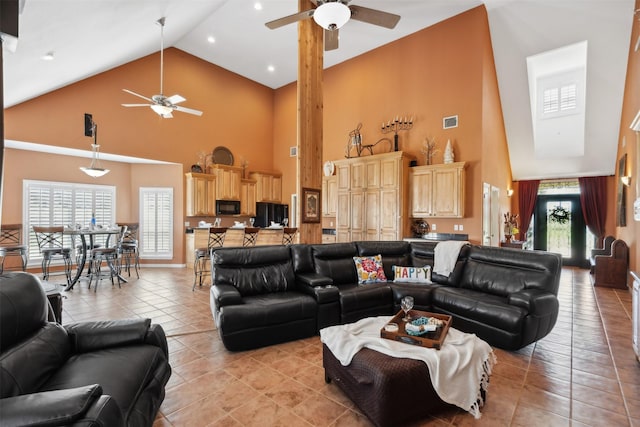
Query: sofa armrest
[
  {"x": 84, "y": 406},
  {"x": 313, "y": 279},
  {"x": 225, "y": 295},
  {"x": 535, "y": 301},
  {"x": 156, "y": 337},
  {"x": 91, "y": 336},
  {"x": 322, "y": 293}
]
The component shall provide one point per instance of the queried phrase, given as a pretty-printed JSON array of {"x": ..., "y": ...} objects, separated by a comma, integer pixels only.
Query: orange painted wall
[
  {"x": 628, "y": 142},
  {"x": 437, "y": 72}
]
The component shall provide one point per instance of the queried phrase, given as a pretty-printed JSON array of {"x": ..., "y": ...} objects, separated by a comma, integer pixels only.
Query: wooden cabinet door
[
  {"x": 446, "y": 191},
  {"x": 358, "y": 173},
  {"x": 343, "y": 217},
  {"x": 201, "y": 193},
  {"x": 421, "y": 185},
  {"x": 390, "y": 173},
  {"x": 358, "y": 215},
  {"x": 372, "y": 174},
  {"x": 390, "y": 215},
  {"x": 329, "y": 195},
  {"x": 372, "y": 211},
  {"x": 343, "y": 175},
  {"x": 210, "y": 197},
  {"x": 276, "y": 189},
  {"x": 248, "y": 198}
]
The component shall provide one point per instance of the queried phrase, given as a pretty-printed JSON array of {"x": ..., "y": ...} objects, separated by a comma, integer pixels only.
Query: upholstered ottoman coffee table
[{"x": 394, "y": 383}]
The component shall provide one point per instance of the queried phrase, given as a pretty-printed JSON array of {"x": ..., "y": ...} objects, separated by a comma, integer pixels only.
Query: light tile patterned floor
[{"x": 583, "y": 374}]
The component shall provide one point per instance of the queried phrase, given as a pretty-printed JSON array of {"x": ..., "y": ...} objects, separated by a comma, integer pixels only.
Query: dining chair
[
  {"x": 289, "y": 235},
  {"x": 11, "y": 245},
  {"x": 51, "y": 246},
  {"x": 129, "y": 248},
  {"x": 250, "y": 236},
  {"x": 106, "y": 256},
  {"x": 203, "y": 255}
]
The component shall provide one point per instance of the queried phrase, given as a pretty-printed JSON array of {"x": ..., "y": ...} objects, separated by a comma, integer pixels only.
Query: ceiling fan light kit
[
  {"x": 160, "y": 104},
  {"x": 332, "y": 16}
]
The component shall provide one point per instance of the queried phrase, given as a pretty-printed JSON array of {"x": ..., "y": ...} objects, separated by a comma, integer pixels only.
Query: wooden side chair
[
  {"x": 11, "y": 245},
  {"x": 128, "y": 248},
  {"x": 613, "y": 270},
  {"x": 203, "y": 255}
]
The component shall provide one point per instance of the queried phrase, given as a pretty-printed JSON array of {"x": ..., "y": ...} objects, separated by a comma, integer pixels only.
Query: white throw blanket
[
  {"x": 459, "y": 371},
  {"x": 445, "y": 256}
]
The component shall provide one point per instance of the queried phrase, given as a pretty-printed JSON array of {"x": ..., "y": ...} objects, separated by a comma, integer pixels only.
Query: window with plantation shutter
[
  {"x": 559, "y": 99},
  {"x": 60, "y": 203},
  {"x": 156, "y": 222}
]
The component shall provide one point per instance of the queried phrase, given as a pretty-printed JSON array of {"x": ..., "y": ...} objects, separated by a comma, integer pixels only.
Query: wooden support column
[{"x": 309, "y": 160}]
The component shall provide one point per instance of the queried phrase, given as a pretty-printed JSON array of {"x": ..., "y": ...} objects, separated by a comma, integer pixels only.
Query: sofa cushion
[
  {"x": 254, "y": 271},
  {"x": 48, "y": 349},
  {"x": 369, "y": 269},
  {"x": 336, "y": 261},
  {"x": 500, "y": 271},
  {"x": 489, "y": 309},
  {"x": 393, "y": 253},
  {"x": 422, "y": 253},
  {"x": 357, "y": 301},
  {"x": 125, "y": 373},
  {"x": 266, "y": 310}
]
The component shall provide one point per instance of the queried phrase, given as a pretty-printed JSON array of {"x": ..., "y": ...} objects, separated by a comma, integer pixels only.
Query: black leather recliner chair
[{"x": 104, "y": 373}]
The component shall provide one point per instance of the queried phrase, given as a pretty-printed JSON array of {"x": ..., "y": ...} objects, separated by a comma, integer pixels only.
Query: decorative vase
[{"x": 448, "y": 152}]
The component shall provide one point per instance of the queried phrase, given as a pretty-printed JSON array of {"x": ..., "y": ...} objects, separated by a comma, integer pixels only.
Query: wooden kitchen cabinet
[
  {"x": 248, "y": 197},
  {"x": 437, "y": 191},
  {"x": 228, "y": 180},
  {"x": 329, "y": 195},
  {"x": 268, "y": 186},
  {"x": 201, "y": 194},
  {"x": 372, "y": 201}
]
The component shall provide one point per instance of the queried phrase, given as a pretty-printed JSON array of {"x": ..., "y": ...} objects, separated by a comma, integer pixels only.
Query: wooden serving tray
[{"x": 430, "y": 339}]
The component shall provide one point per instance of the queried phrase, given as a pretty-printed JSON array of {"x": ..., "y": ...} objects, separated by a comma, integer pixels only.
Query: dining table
[{"x": 87, "y": 238}]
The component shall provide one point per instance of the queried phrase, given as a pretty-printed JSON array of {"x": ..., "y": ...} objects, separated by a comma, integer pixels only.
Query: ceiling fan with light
[
  {"x": 161, "y": 104},
  {"x": 333, "y": 14}
]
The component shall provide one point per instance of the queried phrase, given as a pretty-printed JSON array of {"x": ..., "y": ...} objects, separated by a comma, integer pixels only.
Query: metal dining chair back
[
  {"x": 11, "y": 245},
  {"x": 51, "y": 244}
]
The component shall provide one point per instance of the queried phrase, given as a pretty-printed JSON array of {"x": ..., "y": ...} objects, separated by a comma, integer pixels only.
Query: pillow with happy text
[
  {"x": 412, "y": 274},
  {"x": 370, "y": 269}
]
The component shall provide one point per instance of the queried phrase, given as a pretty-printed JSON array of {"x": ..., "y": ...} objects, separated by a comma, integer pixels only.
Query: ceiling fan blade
[
  {"x": 136, "y": 105},
  {"x": 138, "y": 95},
  {"x": 280, "y": 22},
  {"x": 187, "y": 110},
  {"x": 176, "y": 99},
  {"x": 373, "y": 16},
  {"x": 330, "y": 39}
]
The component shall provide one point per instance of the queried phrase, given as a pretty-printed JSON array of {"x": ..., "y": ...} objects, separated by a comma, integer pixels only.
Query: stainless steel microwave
[{"x": 227, "y": 207}]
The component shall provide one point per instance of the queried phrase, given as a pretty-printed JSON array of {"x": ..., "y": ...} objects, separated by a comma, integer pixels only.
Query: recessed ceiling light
[
  {"x": 48, "y": 56},
  {"x": 257, "y": 6},
  {"x": 211, "y": 39},
  {"x": 271, "y": 68}
]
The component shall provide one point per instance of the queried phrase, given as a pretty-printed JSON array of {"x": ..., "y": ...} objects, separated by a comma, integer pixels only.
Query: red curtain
[
  {"x": 593, "y": 200},
  {"x": 528, "y": 191}
]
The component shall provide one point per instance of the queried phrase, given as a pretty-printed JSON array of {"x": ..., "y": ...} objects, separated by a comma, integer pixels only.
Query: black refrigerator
[{"x": 268, "y": 212}]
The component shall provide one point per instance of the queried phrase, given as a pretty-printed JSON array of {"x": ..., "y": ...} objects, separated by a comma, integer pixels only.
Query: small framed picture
[{"x": 310, "y": 205}]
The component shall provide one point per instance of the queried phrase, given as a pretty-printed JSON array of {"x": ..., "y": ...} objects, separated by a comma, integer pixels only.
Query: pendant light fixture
[{"x": 95, "y": 170}]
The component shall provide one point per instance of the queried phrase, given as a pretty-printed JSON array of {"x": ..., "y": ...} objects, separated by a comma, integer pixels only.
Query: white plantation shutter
[
  {"x": 560, "y": 99},
  {"x": 60, "y": 203},
  {"x": 156, "y": 222}
]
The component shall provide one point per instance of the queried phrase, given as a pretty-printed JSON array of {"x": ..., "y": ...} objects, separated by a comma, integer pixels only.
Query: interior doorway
[
  {"x": 559, "y": 227},
  {"x": 490, "y": 215}
]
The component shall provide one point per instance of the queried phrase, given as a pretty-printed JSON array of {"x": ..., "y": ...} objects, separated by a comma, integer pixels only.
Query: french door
[{"x": 559, "y": 227}]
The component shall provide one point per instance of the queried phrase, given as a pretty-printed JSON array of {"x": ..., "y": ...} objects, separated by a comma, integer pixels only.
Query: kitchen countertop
[{"x": 438, "y": 237}]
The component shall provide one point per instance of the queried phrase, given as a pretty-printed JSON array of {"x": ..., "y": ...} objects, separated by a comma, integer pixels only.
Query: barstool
[
  {"x": 109, "y": 255},
  {"x": 11, "y": 245},
  {"x": 128, "y": 248},
  {"x": 250, "y": 236},
  {"x": 289, "y": 235},
  {"x": 203, "y": 255},
  {"x": 50, "y": 243}
]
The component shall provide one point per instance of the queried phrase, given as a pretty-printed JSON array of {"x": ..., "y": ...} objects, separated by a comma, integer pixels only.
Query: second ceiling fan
[
  {"x": 333, "y": 14},
  {"x": 161, "y": 104}
]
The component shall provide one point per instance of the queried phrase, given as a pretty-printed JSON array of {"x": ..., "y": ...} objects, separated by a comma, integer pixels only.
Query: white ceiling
[{"x": 88, "y": 37}]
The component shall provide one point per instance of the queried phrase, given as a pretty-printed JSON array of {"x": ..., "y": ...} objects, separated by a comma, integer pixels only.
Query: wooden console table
[{"x": 516, "y": 244}]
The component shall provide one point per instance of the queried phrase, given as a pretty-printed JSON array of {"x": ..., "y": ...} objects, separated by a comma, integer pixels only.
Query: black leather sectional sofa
[
  {"x": 103, "y": 373},
  {"x": 267, "y": 295}
]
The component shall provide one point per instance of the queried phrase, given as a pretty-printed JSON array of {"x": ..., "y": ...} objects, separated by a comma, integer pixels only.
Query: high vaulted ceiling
[{"x": 87, "y": 37}]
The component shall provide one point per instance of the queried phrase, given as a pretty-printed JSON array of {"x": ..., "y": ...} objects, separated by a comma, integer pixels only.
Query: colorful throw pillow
[
  {"x": 370, "y": 269},
  {"x": 412, "y": 274}
]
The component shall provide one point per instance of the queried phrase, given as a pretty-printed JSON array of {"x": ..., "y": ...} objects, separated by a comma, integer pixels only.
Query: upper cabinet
[
  {"x": 268, "y": 186},
  {"x": 437, "y": 191},
  {"x": 227, "y": 181},
  {"x": 201, "y": 194},
  {"x": 329, "y": 195}
]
